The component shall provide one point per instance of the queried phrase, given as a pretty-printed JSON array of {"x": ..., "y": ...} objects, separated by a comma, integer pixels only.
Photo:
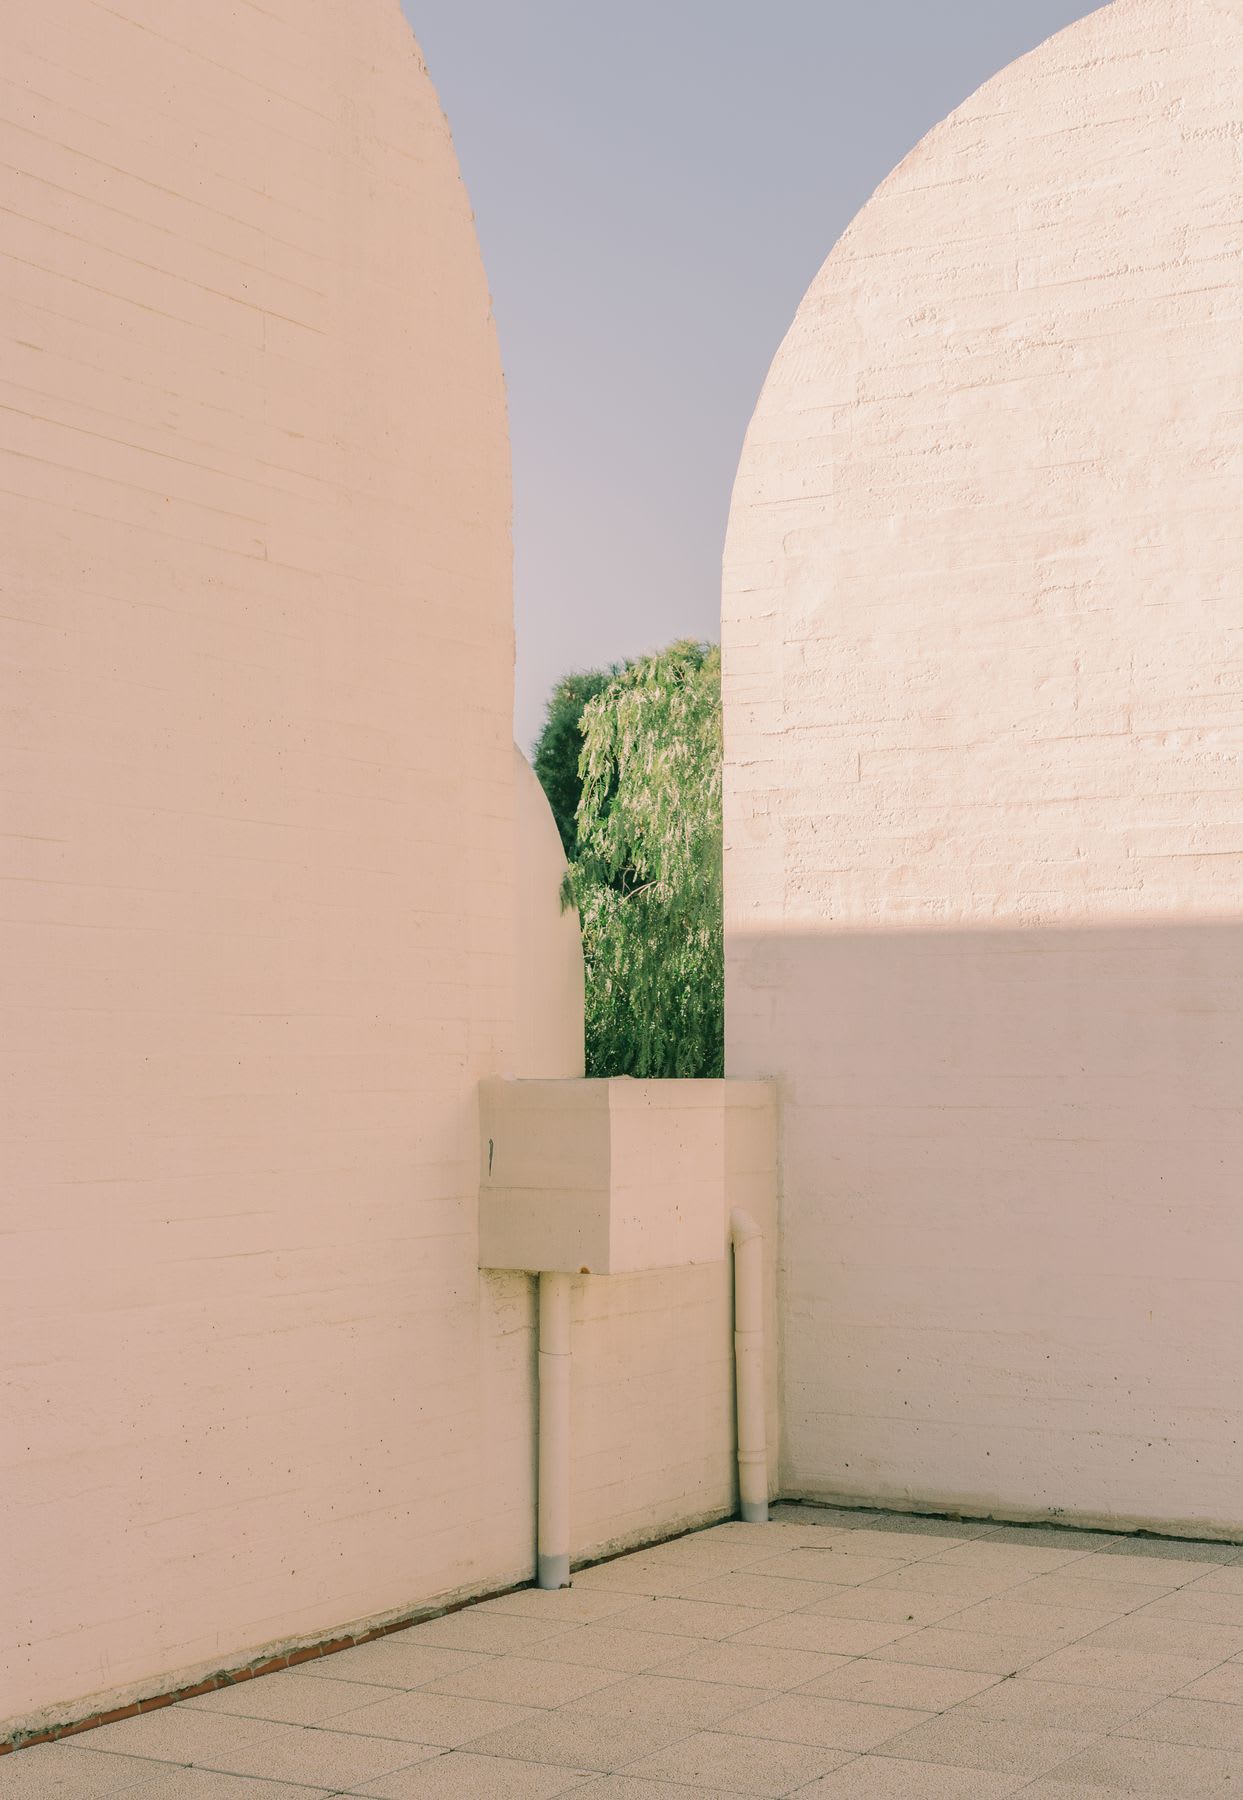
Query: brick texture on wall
[
  {"x": 983, "y": 665},
  {"x": 261, "y": 912},
  {"x": 257, "y": 768}
]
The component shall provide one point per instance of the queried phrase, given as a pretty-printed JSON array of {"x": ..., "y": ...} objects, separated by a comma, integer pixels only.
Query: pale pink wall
[
  {"x": 984, "y": 798},
  {"x": 278, "y": 892},
  {"x": 258, "y": 801}
]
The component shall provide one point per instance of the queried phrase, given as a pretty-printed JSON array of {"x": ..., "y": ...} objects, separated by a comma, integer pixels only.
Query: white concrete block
[{"x": 615, "y": 1177}]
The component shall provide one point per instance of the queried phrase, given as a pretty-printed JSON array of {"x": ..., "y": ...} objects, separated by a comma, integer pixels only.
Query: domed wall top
[{"x": 982, "y": 598}]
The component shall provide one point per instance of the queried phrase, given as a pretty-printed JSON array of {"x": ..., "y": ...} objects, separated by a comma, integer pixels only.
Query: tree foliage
[
  {"x": 645, "y": 871},
  {"x": 560, "y": 746}
]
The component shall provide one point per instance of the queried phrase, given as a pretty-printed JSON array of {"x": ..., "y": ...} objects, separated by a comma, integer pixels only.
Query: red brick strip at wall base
[{"x": 23, "y": 1740}]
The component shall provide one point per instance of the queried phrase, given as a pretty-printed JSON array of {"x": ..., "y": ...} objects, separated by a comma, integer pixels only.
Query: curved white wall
[
  {"x": 984, "y": 732},
  {"x": 259, "y": 810}
]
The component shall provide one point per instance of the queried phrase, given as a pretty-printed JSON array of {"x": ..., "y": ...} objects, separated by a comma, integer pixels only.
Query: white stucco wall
[{"x": 984, "y": 799}]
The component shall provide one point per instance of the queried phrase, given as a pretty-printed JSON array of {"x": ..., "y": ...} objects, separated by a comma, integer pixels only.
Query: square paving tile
[
  {"x": 879, "y": 1778},
  {"x": 640, "y": 1787},
  {"x": 313, "y": 1755},
  {"x": 395, "y": 1662},
  {"x": 461, "y": 1775},
  {"x": 608, "y": 1646},
  {"x": 179, "y": 1734},
  {"x": 967, "y": 1741},
  {"x": 66, "y": 1771},
  {"x": 986, "y": 1652},
  {"x": 828, "y": 1636},
  {"x": 913, "y": 1543},
  {"x": 1170, "y": 1637},
  {"x": 713, "y": 1555},
  {"x": 1009, "y": 1615},
  {"x": 834, "y": 1565},
  {"x": 1051, "y": 1787},
  {"x": 1221, "y": 1581},
  {"x": 889, "y": 1603},
  {"x": 694, "y": 1618},
  {"x": 667, "y": 1580},
  {"x": 926, "y": 1689},
  {"x": 771, "y": 1593},
  {"x": 583, "y": 1740},
  {"x": 1076, "y": 1591},
  {"x": 1055, "y": 1705},
  {"x": 1224, "y": 1683},
  {"x": 752, "y": 1665},
  {"x": 173, "y": 1783},
  {"x": 1195, "y": 1603},
  {"x": 748, "y": 1765},
  {"x": 964, "y": 1586},
  {"x": 1014, "y": 1562},
  {"x": 838, "y": 1724},
  {"x": 767, "y": 1538},
  {"x": 523, "y": 1681},
  {"x": 287, "y": 1698},
  {"x": 1172, "y": 1771},
  {"x": 1215, "y": 1724},
  {"x": 477, "y": 1631},
  {"x": 1147, "y": 1571},
  {"x": 692, "y": 1704},
  {"x": 575, "y": 1605},
  {"x": 443, "y": 1719},
  {"x": 1093, "y": 1665}
]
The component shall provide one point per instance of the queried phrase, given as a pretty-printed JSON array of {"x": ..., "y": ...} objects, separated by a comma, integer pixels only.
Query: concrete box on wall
[{"x": 613, "y": 1177}]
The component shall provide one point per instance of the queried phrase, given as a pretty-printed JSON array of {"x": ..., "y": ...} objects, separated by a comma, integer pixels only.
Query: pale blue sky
[{"x": 655, "y": 184}]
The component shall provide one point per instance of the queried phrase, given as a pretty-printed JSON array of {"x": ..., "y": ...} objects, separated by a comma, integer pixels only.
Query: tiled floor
[{"x": 836, "y": 1656}]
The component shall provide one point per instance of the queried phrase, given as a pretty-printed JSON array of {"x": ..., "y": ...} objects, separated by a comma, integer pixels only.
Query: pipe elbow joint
[{"x": 742, "y": 1227}]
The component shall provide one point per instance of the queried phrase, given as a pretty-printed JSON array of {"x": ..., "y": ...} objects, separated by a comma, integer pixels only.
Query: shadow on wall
[{"x": 1012, "y": 1256}]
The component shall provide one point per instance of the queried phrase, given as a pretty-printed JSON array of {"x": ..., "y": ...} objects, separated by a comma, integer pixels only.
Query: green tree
[
  {"x": 645, "y": 872},
  {"x": 560, "y": 746}
]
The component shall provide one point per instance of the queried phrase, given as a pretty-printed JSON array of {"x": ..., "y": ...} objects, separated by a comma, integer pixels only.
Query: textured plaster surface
[
  {"x": 278, "y": 891},
  {"x": 258, "y": 844},
  {"x": 833, "y": 1656},
  {"x": 983, "y": 668}
]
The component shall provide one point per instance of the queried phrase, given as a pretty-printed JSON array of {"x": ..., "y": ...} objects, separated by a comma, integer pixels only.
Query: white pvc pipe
[
  {"x": 554, "y": 1431},
  {"x": 749, "y": 1364}
]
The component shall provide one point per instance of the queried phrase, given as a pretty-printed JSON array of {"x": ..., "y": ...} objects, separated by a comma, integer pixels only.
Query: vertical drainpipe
[
  {"x": 749, "y": 1365},
  {"x": 553, "y": 1567}
]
